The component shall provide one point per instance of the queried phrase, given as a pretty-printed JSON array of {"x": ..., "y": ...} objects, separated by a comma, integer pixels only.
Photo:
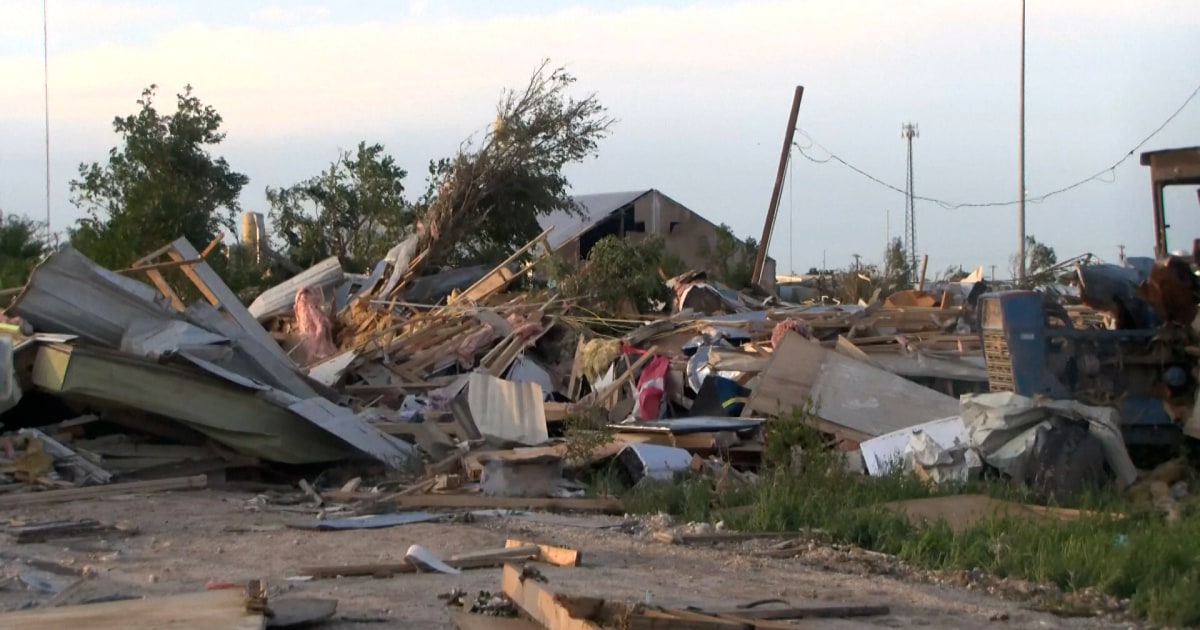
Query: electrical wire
[
  {"x": 791, "y": 214},
  {"x": 1110, "y": 172}
]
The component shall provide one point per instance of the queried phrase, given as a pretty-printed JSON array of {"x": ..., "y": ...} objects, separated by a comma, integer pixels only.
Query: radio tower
[{"x": 908, "y": 131}]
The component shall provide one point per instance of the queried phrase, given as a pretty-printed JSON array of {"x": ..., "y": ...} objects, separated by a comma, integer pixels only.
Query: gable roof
[{"x": 595, "y": 208}]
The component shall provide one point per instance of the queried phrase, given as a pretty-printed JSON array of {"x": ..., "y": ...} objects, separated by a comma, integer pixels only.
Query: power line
[
  {"x": 46, "y": 102},
  {"x": 950, "y": 205}
]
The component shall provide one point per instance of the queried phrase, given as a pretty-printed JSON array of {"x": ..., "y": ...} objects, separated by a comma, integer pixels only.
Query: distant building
[{"x": 636, "y": 215}]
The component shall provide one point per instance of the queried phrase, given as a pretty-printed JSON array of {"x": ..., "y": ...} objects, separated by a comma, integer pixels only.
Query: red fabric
[{"x": 652, "y": 384}]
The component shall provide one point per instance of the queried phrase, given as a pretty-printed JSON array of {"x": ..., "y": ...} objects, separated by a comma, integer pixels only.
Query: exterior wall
[{"x": 687, "y": 235}]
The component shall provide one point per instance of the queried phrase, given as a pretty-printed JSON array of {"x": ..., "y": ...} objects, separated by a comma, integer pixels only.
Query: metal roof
[{"x": 568, "y": 226}]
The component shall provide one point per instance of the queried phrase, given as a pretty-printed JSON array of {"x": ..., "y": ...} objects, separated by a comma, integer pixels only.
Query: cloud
[
  {"x": 700, "y": 92},
  {"x": 294, "y": 14},
  {"x": 417, "y": 7}
]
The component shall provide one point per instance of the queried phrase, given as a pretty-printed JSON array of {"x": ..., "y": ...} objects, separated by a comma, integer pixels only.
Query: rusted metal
[{"x": 1169, "y": 167}]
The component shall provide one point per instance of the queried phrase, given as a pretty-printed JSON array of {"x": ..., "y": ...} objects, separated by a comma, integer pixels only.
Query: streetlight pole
[{"x": 1021, "y": 161}]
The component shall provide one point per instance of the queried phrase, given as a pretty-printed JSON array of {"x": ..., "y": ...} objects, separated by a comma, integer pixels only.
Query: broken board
[
  {"x": 223, "y": 609},
  {"x": 855, "y": 400}
]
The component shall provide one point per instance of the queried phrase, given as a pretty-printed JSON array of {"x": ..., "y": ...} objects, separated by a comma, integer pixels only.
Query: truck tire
[{"x": 1066, "y": 462}]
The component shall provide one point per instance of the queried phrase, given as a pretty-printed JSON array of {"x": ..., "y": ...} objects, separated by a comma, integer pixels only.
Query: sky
[{"x": 700, "y": 91}]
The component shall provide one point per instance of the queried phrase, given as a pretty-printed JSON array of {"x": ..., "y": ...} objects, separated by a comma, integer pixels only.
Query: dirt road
[{"x": 189, "y": 538}]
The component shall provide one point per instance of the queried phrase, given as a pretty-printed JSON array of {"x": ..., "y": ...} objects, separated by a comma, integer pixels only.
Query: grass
[{"x": 1154, "y": 564}]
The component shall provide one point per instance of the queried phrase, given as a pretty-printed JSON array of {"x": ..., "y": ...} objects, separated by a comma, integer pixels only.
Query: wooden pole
[{"x": 760, "y": 259}]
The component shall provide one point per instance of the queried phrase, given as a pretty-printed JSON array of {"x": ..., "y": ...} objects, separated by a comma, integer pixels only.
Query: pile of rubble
[{"x": 172, "y": 377}]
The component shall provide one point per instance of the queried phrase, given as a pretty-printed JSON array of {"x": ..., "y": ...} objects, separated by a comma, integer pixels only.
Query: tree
[
  {"x": 731, "y": 260},
  {"x": 162, "y": 183},
  {"x": 619, "y": 272},
  {"x": 897, "y": 267},
  {"x": 21, "y": 248},
  {"x": 485, "y": 201},
  {"x": 1040, "y": 261},
  {"x": 355, "y": 210}
]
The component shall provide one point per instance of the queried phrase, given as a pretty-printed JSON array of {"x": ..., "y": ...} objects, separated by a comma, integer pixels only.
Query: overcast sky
[{"x": 701, "y": 91}]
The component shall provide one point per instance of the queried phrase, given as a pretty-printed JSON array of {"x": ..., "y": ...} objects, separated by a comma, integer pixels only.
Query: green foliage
[
  {"x": 731, "y": 260},
  {"x": 1122, "y": 553},
  {"x": 618, "y": 271},
  {"x": 162, "y": 183},
  {"x": 1040, "y": 261},
  {"x": 897, "y": 268},
  {"x": 21, "y": 247},
  {"x": 486, "y": 200},
  {"x": 355, "y": 210}
]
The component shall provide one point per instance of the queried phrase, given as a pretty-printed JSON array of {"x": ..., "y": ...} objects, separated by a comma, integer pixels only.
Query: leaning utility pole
[
  {"x": 760, "y": 259},
  {"x": 908, "y": 131}
]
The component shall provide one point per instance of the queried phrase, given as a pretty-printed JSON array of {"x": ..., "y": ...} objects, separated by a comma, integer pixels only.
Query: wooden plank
[
  {"x": 539, "y": 603},
  {"x": 549, "y": 554},
  {"x": 500, "y": 276},
  {"x": 609, "y": 506},
  {"x": 80, "y": 494},
  {"x": 164, "y": 287},
  {"x": 484, "y": 559},
  {"x": 223, "y": 609}
]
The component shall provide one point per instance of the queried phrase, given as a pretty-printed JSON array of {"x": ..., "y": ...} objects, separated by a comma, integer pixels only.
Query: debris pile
[{"x": 497, "y": 394}]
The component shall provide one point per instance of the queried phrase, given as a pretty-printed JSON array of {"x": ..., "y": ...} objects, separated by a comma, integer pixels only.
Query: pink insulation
[
  {"x": 313, "y": 325},
  {"x": 797, "y": 326}
]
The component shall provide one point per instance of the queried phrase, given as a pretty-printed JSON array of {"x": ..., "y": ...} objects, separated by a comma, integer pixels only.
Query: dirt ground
[{"x": 186, "y": 539}]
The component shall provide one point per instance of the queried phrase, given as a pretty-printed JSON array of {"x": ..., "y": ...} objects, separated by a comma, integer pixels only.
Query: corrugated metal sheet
[
  {"x": 279, "y": 300},
  {"x": 507, "y": 411},
  {"x": 68, "y": 293},
  {"x": 568, "y": 226}
]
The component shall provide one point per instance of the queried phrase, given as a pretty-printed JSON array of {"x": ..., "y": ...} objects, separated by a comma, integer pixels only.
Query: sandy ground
[{"x": 185, "y": 540}]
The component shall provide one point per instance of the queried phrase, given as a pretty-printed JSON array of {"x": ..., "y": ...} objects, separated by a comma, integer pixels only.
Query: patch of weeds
[
  {"x": 585, "y": 432},
  {"x": 1111, "y": 549}
]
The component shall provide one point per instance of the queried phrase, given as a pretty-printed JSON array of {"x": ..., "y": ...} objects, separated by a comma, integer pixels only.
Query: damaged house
[{"x": 637, "y": 214}]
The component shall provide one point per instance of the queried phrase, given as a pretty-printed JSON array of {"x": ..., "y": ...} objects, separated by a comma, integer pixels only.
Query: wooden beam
[
  {"x": 558, "y": 556},
  {"x": 80, "y": 494},
  {"x": 539, "y": 603}
]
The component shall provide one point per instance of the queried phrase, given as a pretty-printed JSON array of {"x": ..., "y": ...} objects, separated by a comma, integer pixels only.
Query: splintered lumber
[
  {"x": 223, "y": 609},
  {"x": 493, "y": 557},
  {"x": 608, "y": 506},
  {"x": 92, "y": 492},
  {"x": 538, "y": 603},
  {"x": 549, "y": 554}
]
